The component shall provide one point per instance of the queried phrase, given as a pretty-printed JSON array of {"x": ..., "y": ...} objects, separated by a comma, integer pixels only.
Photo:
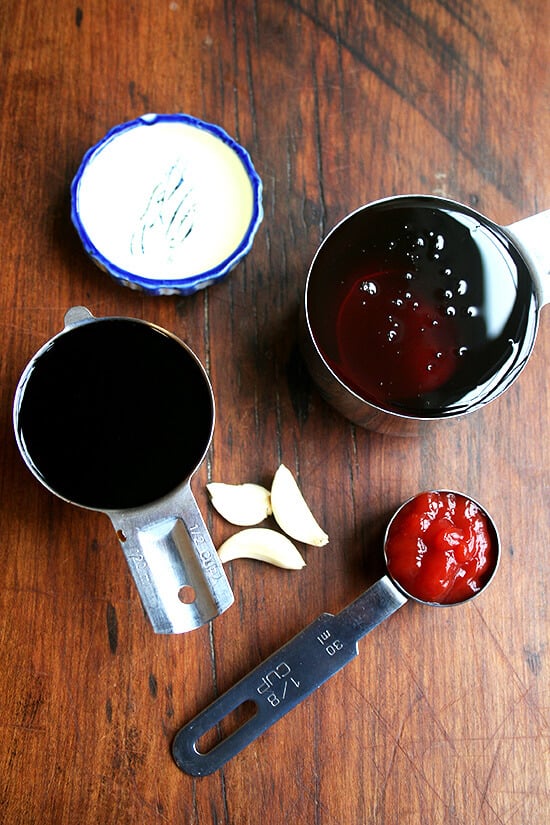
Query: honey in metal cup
[
  {"x": 116, "y": 414},
  {"x": 419, "y": 309}
]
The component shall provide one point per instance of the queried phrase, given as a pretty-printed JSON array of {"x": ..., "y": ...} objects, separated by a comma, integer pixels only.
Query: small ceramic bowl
[{"x": 167, "y": 203}]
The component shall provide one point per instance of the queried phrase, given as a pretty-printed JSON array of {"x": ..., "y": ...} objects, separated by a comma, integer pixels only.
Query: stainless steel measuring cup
[
  {"x": 116, "y": 414},
  {"x": 303, "y": 664},
  {"x": 418, "y": 309}
]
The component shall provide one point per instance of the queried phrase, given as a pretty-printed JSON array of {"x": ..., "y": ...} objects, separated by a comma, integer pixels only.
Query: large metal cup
[{"x": 493, "y": 280}]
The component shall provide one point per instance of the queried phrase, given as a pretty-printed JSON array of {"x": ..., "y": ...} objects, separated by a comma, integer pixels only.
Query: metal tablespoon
[{"x": 300, "y": 666}]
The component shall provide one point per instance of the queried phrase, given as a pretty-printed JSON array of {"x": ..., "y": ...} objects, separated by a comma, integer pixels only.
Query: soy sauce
[
  {"x": 115, "y": 414},
  {"x": 422, "y": 310}
]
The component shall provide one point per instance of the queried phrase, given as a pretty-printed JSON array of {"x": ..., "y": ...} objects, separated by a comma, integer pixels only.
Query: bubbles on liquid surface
[
  {"x": 370, "y": 287},
  {"x": 436, "y": 245}
]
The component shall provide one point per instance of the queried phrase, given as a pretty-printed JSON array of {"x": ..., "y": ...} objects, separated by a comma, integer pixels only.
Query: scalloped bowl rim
[{"x": 190, "y": 283}]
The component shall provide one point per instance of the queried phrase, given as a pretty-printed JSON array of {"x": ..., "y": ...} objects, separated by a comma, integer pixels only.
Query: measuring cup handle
[
  {"x": 178, "y": 573},
  {"x": 531, "y": 235},
  {"x": 275, "y": 687},
  {"x": 284, "y": 679}
]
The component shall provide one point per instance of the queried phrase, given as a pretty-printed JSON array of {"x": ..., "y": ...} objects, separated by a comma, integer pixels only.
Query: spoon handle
[{"x": 286, "y": 678}]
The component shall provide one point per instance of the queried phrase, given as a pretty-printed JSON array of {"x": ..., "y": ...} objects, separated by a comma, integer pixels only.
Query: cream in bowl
[{"x": 167, "y": 203}]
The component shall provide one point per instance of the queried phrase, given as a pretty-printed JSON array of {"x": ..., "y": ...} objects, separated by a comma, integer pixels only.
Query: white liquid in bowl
[{"x": 165, "y": 200}]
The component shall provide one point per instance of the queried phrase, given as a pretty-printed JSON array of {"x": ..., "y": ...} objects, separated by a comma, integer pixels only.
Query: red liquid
[
  {"x": 421, "y": 310},
  {"x": 391, "y": 344},
  {"x": 441, "y": 548}
]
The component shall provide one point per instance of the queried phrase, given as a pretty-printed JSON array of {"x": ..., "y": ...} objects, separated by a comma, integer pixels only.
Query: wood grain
[{"x": 443, "y": 717}]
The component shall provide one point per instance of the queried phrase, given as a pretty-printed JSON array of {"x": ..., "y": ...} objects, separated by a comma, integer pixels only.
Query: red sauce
[{"x": 441, "y": 547}]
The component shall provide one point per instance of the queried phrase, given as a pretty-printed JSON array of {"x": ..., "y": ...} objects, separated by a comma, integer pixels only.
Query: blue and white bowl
[{"x": 168, "y": 204}]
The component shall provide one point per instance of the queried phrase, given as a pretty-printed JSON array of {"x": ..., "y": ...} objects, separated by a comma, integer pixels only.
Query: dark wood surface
[{"x": 443, "y": 717}]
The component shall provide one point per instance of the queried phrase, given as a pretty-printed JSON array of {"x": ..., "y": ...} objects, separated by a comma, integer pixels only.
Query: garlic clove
[
  {"x": 262, "y": 544},
  {"x": 240, "y": 504},
  {"x": 291, "y": 511}
]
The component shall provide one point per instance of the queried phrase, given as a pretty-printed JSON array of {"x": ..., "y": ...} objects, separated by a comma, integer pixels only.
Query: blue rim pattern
[{"x": 191, "y": 283}]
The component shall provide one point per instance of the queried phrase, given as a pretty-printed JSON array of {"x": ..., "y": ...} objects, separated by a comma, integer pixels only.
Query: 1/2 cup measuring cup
[
  {"x": 419, "y": 309},
  {"x": 116, "y": 414},
  {"x": 304, "y": 663}
]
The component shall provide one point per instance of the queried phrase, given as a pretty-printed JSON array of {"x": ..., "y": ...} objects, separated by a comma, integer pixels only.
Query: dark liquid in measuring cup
[
  {"x": 115, "y": 414},
  {"x": 431, "y": 311}
]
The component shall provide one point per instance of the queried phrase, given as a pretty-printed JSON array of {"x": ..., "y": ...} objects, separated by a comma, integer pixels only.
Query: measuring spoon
[{"x": 304, "y": 663}]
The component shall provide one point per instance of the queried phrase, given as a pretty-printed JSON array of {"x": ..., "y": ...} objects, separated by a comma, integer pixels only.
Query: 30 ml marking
[{"x": 331, "y": 647}]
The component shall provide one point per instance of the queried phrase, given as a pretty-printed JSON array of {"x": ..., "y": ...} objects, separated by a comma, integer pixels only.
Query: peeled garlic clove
[
  {"x": 262, "y": 544},
  {"x": 241, "y": 504},
  {"x": 291, "y": 512}
]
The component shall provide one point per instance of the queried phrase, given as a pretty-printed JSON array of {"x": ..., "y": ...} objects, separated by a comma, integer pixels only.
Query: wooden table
[{"x": 443, "y": 717}]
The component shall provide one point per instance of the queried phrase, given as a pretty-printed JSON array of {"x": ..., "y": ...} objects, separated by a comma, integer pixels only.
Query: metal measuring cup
[
  {"x": 89, "y": 424},
  {"x": 301, "y": 665},
  {"x": 350, "y": 245}
]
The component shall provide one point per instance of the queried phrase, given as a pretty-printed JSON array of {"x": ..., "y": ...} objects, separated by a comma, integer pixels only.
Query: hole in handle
[
  {"x": 186, "y": 594},
  {"x": 226, "y": 727}
]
